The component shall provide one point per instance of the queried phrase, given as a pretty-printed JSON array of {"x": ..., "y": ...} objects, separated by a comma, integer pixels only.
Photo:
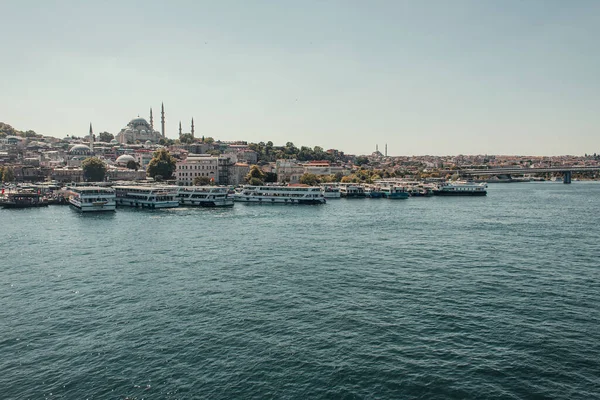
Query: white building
[
  {"x": 288, "y": 171},
  {"x": 196, "y": 165}
]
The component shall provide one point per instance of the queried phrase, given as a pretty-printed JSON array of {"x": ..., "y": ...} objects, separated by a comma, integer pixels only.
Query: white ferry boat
[
  {"x": 461, "y": 189},
  {"x": 147, "y": 196},
  {"x": 280, "y": 194},
  {"x": 331, "y": 191},
  {"x": 352, "y": 190},
  {"x": 204, "y": 196},
  {"x": 92, "y": 198}
]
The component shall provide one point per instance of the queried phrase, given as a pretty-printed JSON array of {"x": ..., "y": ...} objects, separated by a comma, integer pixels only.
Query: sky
[{"x": 426, "y": 77}]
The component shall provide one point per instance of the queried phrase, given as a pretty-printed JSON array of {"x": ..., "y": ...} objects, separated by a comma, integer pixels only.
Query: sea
[{"x": 494, "y": 297}]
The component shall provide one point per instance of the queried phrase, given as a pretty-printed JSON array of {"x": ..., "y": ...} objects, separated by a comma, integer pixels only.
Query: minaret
[
  {"x": 386, "y": 149},
  {"x": 179, "y": 128},
  {"x": 151, "y": 120},
  {"x": 192, "y": 127},
  {"x": 162, "y": 119},
  {"x": 91, "y": 139},
  {"x": 377, "y": 148}
]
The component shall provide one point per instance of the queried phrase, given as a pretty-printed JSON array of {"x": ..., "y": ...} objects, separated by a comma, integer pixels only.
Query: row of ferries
[
  {"x": 103, "y": 198},
  {"x": 393, "y": 189},
  {"x": 99, "y": 198}
]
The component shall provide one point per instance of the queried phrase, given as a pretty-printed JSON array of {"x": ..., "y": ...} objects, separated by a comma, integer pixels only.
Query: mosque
[{"x": 138, "y": 130}]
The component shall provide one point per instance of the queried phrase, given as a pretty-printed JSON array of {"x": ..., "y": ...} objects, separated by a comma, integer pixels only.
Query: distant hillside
[{"x": 7, "y": 130}]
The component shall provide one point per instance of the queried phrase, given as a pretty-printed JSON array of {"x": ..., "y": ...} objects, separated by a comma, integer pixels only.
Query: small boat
[{"x": 24, "y": 200}]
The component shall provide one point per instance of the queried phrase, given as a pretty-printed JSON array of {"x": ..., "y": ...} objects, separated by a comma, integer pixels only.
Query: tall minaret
[
  {"x": 162, "y": 119},
  {"x": 91, "y": 139},
  {"x": 151, "y": 120},
  {"x": 192, "y": 127},
  {"x": 386, "y": 149},
  {"x": 179, "y": 128},
  {"x": 377, "y": 148}
]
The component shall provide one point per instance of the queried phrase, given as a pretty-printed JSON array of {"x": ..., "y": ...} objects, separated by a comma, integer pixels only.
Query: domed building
[
  {"x": 122, "y": 161},
  {"x": 138, "y": 130},
  {"x": 77, "y": 154}
]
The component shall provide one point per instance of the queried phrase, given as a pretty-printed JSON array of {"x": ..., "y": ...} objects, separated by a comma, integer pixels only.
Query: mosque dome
[
  {"x": 114, "y": 141},
  {"x": 80, "y": 149},
  {"x": 148, "y": 143},
  {"x": 138, "y": 121},
  {"x": 124, "y": 159}
]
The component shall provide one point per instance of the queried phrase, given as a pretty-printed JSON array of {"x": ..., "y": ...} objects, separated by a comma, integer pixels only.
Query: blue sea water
[{"x": 494, "y": 297}]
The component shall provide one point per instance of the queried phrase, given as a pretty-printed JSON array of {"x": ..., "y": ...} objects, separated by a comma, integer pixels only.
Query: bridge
[{"x": 509, "y": 171}]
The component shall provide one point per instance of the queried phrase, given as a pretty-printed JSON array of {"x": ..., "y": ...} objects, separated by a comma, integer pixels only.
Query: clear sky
[{"x": 425, "y": 77}]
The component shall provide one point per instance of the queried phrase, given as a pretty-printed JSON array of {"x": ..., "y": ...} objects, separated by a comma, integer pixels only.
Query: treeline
[
  {"x": 7, "y": 130},
  {"x": 267, "y": 152}
]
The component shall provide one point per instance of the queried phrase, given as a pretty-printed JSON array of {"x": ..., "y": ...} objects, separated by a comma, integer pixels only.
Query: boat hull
[
  {"x": 147, "y": 204},
  {"x": 458, "y": 193},
  {"x": 397, "y": 196},
  {"x": 15, "y": 206},
  {"x": 91, "y": 207},
  {"x": 208, "y": 203},
  {"x": 263, "y": 200}
]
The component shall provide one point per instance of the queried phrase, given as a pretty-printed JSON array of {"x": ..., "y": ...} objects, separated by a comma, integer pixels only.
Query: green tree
[
  {"x": 166, "y": 142},
  {"x": 94, "y": 170},
  {"x": 162, "y": 164},
  {"x": 201, "y": 181},
  {"x": 8, "y": 175},
  {"x": 186, "y": 138},
  {"x": 270, "y": 177},
  {"x": 361, "y": 160},
  {"x": 209, "y": 140},
  {"x": 105, "y": 137},
  {"x": 132, "y": 165},
  {"x": 309, "y": 179},
  {"x": 255, "y": 176}
]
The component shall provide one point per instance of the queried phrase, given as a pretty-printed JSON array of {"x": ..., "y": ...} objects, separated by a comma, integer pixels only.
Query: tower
[
  {"x": 91, "y": 139},
  {"x": 192, "y": 127},
  {"x": 151, "y": 120},
  {"x": 386, "y": 149},
  {"x": 376, "y": 148},
  {"x": 179, "y": 128},
  {"x": 162, "y": 119}
]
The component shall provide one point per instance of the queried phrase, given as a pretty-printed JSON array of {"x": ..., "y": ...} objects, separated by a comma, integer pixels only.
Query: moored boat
[
  {"x": 395, "y": 192},
  {"x": 164, "y": 196},
  {"x": 280, "y": 195},
  {"x": 24, "y": 199},
  {"x": 330, "y": 191},
  {"x": 461, "y": 189},
  {"x": 352, "y": 191},
  {"x": 204, "y": 196},
  {"x": 92, "y": 198}
]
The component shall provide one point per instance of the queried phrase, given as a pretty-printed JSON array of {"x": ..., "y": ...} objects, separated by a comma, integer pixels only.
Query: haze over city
[{"x": 434, "y": 77}]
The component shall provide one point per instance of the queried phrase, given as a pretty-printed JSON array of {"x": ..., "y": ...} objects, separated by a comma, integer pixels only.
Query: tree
[
  {"x": 270, "y": 177},
  {"x": 309, "y": 179},
  {"x": 255, "y": 176},
  {"x": 186, "y": 138},
  {"x": 201, "y": 181},
  {"x": 132, "y": 165},
  {"x": 209, "y": 140},
  {"x": 166, "y": 142},
  {"x": 361, "y": 160},
  {"x": 8, "y": 175},
  {"x": 162, "y": 164},
  {"x": 94, "y": 170},
  {"x": 105, "y": 137}
]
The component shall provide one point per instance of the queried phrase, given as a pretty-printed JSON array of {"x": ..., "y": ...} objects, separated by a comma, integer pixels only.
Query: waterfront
[{"x": 495, "y": 296}]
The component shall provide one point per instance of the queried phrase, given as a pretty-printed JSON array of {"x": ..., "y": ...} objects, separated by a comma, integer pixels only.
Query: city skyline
[{"x": 428, "y": 78}]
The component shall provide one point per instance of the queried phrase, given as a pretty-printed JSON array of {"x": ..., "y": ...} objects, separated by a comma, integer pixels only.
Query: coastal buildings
[{"x": 197, "y": 165}]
